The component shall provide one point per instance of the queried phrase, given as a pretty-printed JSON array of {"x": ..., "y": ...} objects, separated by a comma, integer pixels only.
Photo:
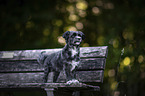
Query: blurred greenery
[{"x": 39, "y": 24}]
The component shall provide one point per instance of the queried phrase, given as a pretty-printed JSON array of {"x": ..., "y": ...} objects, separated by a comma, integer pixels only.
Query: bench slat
[
  {"x": 18, "y": 66},
  {"x": 92, "y": 63},
  {"x": 90, "y": 76},
  {"x": 6, "y": 78},
  {"x": 48, "y": 85},
  {"x": 33, "y": 54}
]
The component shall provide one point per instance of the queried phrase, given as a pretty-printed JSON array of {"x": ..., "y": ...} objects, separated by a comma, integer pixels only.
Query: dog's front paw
[{"x": 73, "y": 81}]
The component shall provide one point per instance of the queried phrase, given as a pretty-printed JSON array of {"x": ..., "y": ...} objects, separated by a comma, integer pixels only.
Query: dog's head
[{"x": 74, "y": 37}]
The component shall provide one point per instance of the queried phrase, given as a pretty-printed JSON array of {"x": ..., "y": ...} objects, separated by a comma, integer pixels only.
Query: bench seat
[{"x": 20, "y": 69}]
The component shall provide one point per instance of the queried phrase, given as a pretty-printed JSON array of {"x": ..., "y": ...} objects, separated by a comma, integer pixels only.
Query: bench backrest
[{"x": 22, "y": 66}]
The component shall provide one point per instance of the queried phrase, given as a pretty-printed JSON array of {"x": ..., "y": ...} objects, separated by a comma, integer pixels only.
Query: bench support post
[
  {"x": 76, "y": 93},
  {"x": 49, "y": 91}
]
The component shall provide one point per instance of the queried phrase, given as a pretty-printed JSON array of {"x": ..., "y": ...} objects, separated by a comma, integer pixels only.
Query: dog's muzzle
[{"x": 77, "y": 40}]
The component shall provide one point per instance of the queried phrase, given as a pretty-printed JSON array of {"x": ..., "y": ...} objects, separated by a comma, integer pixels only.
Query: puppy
[{"x": 67, "y": 59}]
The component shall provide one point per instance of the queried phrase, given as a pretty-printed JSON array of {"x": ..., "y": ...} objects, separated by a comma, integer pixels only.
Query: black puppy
[{"x": 67, "y": 59}]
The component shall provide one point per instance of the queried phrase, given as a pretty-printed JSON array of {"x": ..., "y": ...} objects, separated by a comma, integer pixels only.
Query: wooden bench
[{"x": 20, "y": 69}]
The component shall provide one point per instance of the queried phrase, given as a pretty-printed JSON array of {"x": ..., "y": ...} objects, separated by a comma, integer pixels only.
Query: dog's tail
[{"x": 42, "y": 57}]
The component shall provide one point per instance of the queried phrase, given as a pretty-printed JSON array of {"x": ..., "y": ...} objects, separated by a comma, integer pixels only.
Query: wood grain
[
  {"x": 82, "y": 76},
  {"x": 33, "y": 54},
  {"x": 18, "y": 66},
  {"x": 78, "y": 86},
  {"x": 90, "y": 76}
]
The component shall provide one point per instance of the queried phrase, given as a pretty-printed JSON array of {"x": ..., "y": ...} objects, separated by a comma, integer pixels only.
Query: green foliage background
[{"x": 38, "y": 24}]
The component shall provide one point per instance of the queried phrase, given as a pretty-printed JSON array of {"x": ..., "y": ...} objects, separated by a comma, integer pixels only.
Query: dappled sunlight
[
  {"x": 46, "y": 32},
  {"x": 128, "y": 33},
  {"x": 29, "y": 24},
  {"x": 106, "y": 73},
  {"x": 61, "y": 40},
  {"x": 116, "y": 93},
  {"x": 130, "y": 48},
  {"x": 140, "y": 59},
  {"x": 105, "y": 5},
  {"x": 79, "y": 25},
  {"x": 114, "y": 85},
  {"x": 80, "y": 8},
  {"x": 55, "y": 34},
  {"x": 99, "y": 3},
  {"x": 96, "y": 10},
  {"x": 108, "y": 6},
  {"x": 58, "y": 23},
  {"x": 70, "y": 28},
  {"x": 85, "y": 45},
  {"x": 143, "y": 75},
  {"x": 100, "y": 40},
  {"x": 70, "y": 9},
  {"x": 82, "y": 13},
  {"x": 132, "y": 58},
  {"x": 111, "y": 73},
  {"x": 82, "y": 5},
  {"x": 115, "y": 43},
  {"x": 126, "y": 61},
  {"x": 73, "y": 17},
  {"x": 71, "y": 1}
]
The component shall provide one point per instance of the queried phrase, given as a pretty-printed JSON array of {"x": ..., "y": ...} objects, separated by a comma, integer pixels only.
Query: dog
[{"x": 67, "y": 59}]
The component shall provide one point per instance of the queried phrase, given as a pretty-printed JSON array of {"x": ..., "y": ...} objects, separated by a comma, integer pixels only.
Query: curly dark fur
[{"x": 67, "y": 59}]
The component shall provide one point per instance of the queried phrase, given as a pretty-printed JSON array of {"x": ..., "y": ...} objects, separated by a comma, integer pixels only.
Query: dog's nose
[{"x": 78, "y": 37}]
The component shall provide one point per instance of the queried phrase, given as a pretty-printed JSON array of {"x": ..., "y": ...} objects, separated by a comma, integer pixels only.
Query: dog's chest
[
  {"x": 74, "y": 52},
  {"x": 74, "y": 64}
]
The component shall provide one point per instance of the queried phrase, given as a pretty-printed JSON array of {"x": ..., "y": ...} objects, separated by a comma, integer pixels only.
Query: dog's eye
[
  {"x": 79, "y": 35},
  {"x": 74, "y": 35}
]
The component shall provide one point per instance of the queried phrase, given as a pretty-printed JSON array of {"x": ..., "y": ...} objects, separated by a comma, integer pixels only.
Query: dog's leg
[
  {"x": 74, "y": 74},
  {"x": 46, "y": 72},
  {"x": 55, "y": 76},
  {"x": 68, "y": 73},
  {"x": 71, "y": 75}
]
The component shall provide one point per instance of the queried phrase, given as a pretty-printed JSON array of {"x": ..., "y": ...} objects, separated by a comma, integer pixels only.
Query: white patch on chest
[
  {"x": 74, "y": 64},
  {"x": 73, "y": 52}
]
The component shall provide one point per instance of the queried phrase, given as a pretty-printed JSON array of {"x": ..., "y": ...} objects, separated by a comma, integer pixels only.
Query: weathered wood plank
[
  {"x": 90, "y": 76},
  {"x": 21, "y": 77},
  {"x": 94, "y": 51},
  {"x": 92, "y": 64},
  {"x": 47, "y": 85},
  {"x": 13, "y": 66},
  {"x": 33, "y": 54},
  {"x": 82, "y": 76}
]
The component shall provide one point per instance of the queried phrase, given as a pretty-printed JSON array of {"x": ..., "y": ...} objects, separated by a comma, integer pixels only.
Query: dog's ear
[
  {"x": 66, "y": 35},
  {"x": 82, "y": 35}
]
